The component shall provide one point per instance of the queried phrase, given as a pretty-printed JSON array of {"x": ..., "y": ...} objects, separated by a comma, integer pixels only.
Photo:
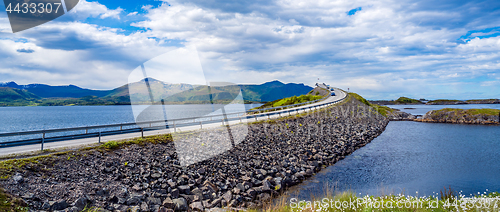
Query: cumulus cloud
[{"x": 380, "y": 49}]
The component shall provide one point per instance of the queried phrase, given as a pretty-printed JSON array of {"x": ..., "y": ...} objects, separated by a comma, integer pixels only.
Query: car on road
[{"x": 333, "y": 94}]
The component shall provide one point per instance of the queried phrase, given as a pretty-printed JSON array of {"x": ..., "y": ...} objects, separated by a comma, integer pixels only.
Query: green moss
[
  {"x": 406, "y": 100},
  {"x": 360, "y": 98},
  {"x": 443, "y": 101},
  {"x": 383, "y": 110},
  {"x": 484, "y": 111},
  {"x": 9, "y": 203}
]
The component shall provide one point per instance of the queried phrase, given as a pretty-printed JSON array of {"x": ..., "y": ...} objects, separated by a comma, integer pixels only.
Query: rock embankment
[
  {"x": 460, "y": 116},
  {"x": 149, "y": 177},
  {"x": 397, "y": 115}
]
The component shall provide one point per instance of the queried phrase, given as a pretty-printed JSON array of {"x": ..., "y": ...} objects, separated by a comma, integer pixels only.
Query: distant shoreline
[{"x": 436, "y": 102}]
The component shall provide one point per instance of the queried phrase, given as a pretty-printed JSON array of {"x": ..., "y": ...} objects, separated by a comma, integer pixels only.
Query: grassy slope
[
  {"x": 384, "y": 110},
  {"x": 290, "y": 101}
]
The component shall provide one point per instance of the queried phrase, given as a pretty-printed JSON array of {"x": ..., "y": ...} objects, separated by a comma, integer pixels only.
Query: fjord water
[
  {"x": 19, "y": 119},
  {"x": 410, "y": 157}
]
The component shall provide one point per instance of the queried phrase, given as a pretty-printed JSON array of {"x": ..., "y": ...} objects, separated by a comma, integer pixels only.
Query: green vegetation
[
  {"x": 290, "y": 101},
  {"x": 483, "y": 101},
  {"x": 444, "y": 101},
  {"x": 9, "y": 203},
  {"x": 340, "y": 202},
  {"x": 383, "y": 110},
  {"x": 460, "y": 112},
  {"x": 295, "y": 100},
  {"x": 157, "y": 139},
  {"x": 406, "y": 100}
]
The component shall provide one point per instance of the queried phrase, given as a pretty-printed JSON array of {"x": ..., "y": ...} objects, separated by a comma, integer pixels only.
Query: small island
[{"x": 461, "y": 116}]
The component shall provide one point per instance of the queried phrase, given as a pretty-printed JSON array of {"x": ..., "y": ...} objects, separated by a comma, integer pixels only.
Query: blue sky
[{"x": 380, "y": 49}]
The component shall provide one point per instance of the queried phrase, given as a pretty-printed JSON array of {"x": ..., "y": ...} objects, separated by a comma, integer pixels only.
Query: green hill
[
  {"x": 16, "y": 97},
  {"x": 406, "y": 100},
  {"x": 20, "y": 95}
]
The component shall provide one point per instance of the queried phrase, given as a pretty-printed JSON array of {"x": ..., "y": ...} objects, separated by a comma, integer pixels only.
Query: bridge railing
[{"x": 41, "y": 136}]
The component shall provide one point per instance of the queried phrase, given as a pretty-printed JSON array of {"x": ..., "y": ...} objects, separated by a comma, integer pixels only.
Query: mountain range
[{"x": 12, "y": 94}]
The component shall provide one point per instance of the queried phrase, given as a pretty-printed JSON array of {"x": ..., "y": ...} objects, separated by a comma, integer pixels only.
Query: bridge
[{"x": 42, "y": 141}]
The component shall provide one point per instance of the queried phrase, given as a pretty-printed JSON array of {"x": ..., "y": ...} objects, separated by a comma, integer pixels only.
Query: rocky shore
[
  {"x": 150, "y": 177},
  {"x": 397, "y": 115},
  {"x": 460, "y": 116}
]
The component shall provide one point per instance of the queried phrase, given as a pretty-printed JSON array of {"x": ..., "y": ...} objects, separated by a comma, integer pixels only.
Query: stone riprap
[{"x": 272, "y": 157}]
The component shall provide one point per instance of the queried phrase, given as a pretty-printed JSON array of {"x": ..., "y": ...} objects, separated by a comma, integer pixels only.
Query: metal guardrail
[{"x": 150, "y": 125}]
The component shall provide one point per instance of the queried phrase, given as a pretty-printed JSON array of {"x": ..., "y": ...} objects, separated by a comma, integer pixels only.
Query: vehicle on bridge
[{"x": 333, "y": 94}]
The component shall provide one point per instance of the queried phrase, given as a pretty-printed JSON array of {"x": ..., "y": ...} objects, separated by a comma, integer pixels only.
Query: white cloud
[
  {"x": 85, "y": 9},
  {"x": 112, "y": 13},
  {"x": 132, "y": 14},
  {"x": 389, "y": 46}
]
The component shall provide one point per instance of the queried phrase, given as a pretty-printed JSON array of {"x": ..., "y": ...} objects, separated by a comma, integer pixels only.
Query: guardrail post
[
  {"x": 201, "y": 126},
  {"x": 174, "y": 127},
  {"x": 86, "y": 131},
  {"x": 121, "y": 127},
  {"x": 43, "y": 140},
  {"x": 240, "y": 119},
  {"x": 255, "y": 117},
  {"x": 99, "y": 136},
  {"x": 142, "y": 132}
]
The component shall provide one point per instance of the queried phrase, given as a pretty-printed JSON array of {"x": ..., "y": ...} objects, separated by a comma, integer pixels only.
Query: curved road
[{"x": 71, "y": 144}]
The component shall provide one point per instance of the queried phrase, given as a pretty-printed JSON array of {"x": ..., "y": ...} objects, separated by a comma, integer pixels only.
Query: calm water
[
  {"x": 17, "y": 119},
  {"x": 412, "y": 156},
  {"x": 422, "y": 109}
]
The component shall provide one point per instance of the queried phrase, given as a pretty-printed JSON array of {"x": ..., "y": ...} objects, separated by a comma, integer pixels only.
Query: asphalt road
[{"x": 77, "y": 143}]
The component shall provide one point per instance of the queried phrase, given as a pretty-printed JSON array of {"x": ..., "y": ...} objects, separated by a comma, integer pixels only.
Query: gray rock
[
  {"x": 144, "y": 206},
  {"x": 201, "y": 171},
  {"x": 28, "y": 196},
  {"x": 18, "y": 178},
  {"x": 59, "y": 205},
  {"x": 153, "y": 201},
  {"x": 184, "y": 189},
  {"x": 46, "y": 205},
  {"x": 196, "y": 206},
  {"x": 261, "y": 171},
  {"x": 168, "y": 203},
  {"x": 81, "y": 202},
  {"x": 215, "y": 203},
  {"x": 264, "y": 197},
  {"x": 180, "y": 204},
  {"x": 134, "y": 200},
  {"x": 228, "y": 196},
  {"x": 175, "y": 193},
  {"x": 74, "y": 209}
]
